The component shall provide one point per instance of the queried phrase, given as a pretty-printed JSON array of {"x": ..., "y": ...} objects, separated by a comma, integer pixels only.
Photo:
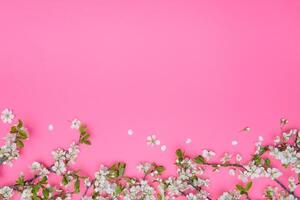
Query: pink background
[{"x": 179, "y": 69}]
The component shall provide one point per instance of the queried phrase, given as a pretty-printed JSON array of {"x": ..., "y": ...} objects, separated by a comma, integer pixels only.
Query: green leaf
[
  {"x": 46, "y": 193},
  {"x": 257, "y": 159},
  {"x": 199, "y": 159},
  {"x": 13, "y": 129},
  {"x": 22, "y": 134},
  {"x": 43, "y": 180},
  {"x": 35, "y": 197},
  {"x": 19, "y": 144},
  {"x": 160, "y": 197},
  {"x": 268, "y": 162},
  {"x": 35, "y": 188},
  {"x": 240, "y": 188},
  {"x": 248, "y": 186},
  {"x": 160, "y": 169},
  {"x": 82, "y": 129},
  {"x": 77, "y": 186},
  {"x": 121, "y": 170},
  {"x": 20, "y": 181},
  {"x": 87, "y": 142},
  {"x": 65, "y": 180},
  {"x": 118, "y": 190},
  {"x": 20, "y": 124},
  {"x": 179, "y": 154},
  {"x": 263, "y": 150},
  {"x": 95, "y": 195}
]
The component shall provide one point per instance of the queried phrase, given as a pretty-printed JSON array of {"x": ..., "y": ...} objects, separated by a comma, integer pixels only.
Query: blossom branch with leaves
[
  {"x": 191, "y": 180},
  {"x": 14, "y": 142}
]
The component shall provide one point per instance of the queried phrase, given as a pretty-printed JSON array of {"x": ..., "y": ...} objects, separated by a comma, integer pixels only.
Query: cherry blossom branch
[
  {"x": 110, "y": 181},
  {"x": 14, "y": 143},
  {"x": 237, "y": 165},
  {"x": 286, "y": 189}
]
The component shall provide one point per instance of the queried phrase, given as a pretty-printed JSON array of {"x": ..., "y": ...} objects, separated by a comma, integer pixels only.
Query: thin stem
[
  {"x": 88, "y": 187},
  {"x": 247, "y": 196},
  {"x": 286, "y": 189},
  {"x": 225, "y": 165},
  {"x": 242, "y": 167}
]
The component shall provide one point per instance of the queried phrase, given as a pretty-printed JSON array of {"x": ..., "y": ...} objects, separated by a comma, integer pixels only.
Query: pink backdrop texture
[{"x": 177, "y": 69}]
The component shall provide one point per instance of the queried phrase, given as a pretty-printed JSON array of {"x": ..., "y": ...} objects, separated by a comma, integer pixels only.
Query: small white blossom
[
  {"x": 6, "y": 193},
  {"x": 7, "y": 116},
  {"x": 273, "y": 173},
  {"x": 87, "y": 182},
  {"x": 207, "y": 154},
  {"x": 152, "y": 140},
  {"x": 26, "y": 194},
  {"x": 292, "y": 184},
  {"x": 75, "y": 124},
  {"x": 231, "y": 195},
  {"x": 144, "y": 167},
  {"x": 270, "y": 192},
  {"x": 59, "y": 167},
  {"x": 226, "y": 158}
]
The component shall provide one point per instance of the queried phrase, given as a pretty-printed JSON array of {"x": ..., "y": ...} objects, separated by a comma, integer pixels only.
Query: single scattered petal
[
  {"x": 238, "y": 157},
  {"x": 246, "y": 129},
  {"x": 157, "y": 142},
  {"x": 50, "y": 127},
  {"x": 163, "y": 148},
  {"x": 7, "y": 116},
  {"x": 130, "y": 132},
  {"x": 234, "y": 142},
  {"x": 260, "y": 138},
  {"x": 188, "y": 141}
]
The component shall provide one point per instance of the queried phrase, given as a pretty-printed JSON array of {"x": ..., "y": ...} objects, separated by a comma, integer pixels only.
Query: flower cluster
[
  {"x": 191, "y": 180},
  {"x": 13, "y": 143},
  {"x": 63, "y": 158}
]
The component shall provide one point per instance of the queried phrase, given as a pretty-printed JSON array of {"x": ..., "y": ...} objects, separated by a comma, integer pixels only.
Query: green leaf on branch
[
  {"x": 20, "y": 181},
  {"x": 19, "y": 144},
  {"x": 199, "y": 159},
  {"x": 84, "y": 135},
  {"x": 65, "y": 180},
  {"x": 241, "y": 189},
  {"x": 77, "y": 185},
  {"x": 122, "y": 167},
  {"x": 248, "y": 186},
  {"x": 117, "y": 169},
  {"x": 160, "y": 169},
  {"x": 179, "y": 154},
  {"x": 257, "y": 159},
  {"x": 43, "y": 180},
  {"x": 160, "y": 196},
  {"x": 118, "y": 190},
  {"x": 22, "y": 134},
  {"x": 46, "y": 193},
  {"x": 244, "y": 190},
  {"x": 13, "y": 129},
  {"x": 267, "y": 162},
  {"x": 95, "y": 195},
  {"x": 20, "y": 124}
]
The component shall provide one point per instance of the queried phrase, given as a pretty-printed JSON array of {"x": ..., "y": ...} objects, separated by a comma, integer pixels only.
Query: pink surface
[{"x": 180, "y": 69}]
